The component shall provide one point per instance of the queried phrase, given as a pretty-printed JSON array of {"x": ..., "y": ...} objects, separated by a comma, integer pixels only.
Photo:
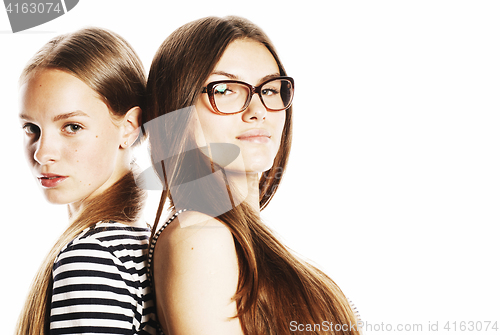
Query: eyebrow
[
  {"x": 58, "y": 117},
  {"x": 226, "y": 74},
  {"x": 25, "y": 117},
  {"x": 235, "y": 77},
  {"x": 69, "y": 115}
]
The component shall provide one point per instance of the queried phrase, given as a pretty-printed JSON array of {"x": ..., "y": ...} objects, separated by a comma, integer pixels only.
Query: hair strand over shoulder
[{"x": 274, "y": 287}]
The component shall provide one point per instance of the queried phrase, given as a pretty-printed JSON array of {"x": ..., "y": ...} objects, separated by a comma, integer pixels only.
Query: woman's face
[
  {"x": 256, "y": 131},
  {"x": 71, "y": 141}
]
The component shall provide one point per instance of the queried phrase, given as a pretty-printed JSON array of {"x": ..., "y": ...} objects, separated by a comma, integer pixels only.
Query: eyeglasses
[{"x": 231, "y": 96}]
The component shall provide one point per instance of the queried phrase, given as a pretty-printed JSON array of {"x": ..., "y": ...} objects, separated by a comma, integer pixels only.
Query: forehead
[
  {"x": 52, "y": 82},
  {"x": 247, "y": 59},
  {"x": 50, "y": 92}
]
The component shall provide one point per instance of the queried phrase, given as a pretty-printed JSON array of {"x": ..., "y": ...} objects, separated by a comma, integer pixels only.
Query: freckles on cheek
[{"x": 85, "y": 166}]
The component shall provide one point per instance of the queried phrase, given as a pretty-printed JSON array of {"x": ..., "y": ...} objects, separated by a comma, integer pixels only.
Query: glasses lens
[
  {"x": 277, "y": 94},
  {"x": 230, "y": 97}
]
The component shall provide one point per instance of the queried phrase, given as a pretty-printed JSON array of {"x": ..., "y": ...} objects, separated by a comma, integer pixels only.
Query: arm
[
  {"x": 196, "y": 276},
  {"x": 92, "y": 292}
]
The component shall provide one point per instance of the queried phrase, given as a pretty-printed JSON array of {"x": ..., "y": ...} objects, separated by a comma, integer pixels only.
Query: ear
[{"x": 131, "y": 124}]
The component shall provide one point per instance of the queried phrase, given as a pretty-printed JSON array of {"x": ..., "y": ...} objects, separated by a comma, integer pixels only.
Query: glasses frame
[{"x": 209, "y": 89}]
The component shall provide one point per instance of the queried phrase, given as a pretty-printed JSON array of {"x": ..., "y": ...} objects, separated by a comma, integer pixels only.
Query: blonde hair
[
  {"x": 274, "y": 287},
  {"x": 106, "y": 63}
]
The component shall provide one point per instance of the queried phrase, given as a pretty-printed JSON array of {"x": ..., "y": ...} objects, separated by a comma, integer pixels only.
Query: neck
[
  {"x": 73, "y": 208},
  {"x": 246, "y": 185}
]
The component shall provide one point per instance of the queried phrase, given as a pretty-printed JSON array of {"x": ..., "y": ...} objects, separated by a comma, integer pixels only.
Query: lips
[
  {"x": 50, "y": 180},
  {"x": 255, "y": 136}
]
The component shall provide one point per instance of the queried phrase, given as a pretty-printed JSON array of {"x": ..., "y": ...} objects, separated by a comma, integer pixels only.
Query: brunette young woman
[
  {"x": 82, "y": 97},
  {"x": 219, "y": 117}
]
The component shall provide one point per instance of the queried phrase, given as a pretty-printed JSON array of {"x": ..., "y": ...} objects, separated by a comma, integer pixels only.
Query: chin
[
  {"x": 56, "y": 201},
  {"x": 259, "y": 168},
  {"x": 56, "y": 198},
  {"x": 259, "y": 163},
  {"x": 251, "y": 162}
]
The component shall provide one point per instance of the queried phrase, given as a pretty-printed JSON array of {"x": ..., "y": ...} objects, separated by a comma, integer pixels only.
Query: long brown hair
[
  {"x": 274, "y": 287},
  {"x": 106, "y": 63}
]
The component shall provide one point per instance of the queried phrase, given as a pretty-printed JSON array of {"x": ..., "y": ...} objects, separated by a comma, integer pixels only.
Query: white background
[{"x": 393, "y": 186}]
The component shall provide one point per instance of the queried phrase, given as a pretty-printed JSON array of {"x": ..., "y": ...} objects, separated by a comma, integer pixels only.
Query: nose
[
  {"x": 46, "y": 150},
  {"x": 255, "y": 110}
]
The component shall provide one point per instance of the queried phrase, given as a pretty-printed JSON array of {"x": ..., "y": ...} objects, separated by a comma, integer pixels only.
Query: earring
[{"x": 125, "y": 144}]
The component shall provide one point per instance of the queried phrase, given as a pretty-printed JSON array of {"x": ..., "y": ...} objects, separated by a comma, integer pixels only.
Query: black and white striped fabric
[{"x": 101, "y": 284}]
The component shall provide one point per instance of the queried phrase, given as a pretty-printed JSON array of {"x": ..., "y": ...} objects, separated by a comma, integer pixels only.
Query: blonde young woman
[
  {"x": 219, "y": 118},
  {"x": 82, "y": 96}
]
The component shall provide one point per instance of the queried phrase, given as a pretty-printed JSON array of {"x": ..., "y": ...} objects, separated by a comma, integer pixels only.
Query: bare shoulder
[
  {"x": 195, "y": 245},
  {"x": 196, "y": 276},
  {"x": 195, "y": 231}
]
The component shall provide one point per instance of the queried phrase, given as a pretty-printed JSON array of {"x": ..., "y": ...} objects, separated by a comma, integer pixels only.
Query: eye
[
  {"x": 222, "y": 89},
  {"x": 270, "y": 91},
  {"x": 31, "y": 129},
  {"x": 72, "y": 128}
]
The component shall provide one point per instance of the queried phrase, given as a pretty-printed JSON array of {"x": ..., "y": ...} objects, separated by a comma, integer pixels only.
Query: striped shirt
[{"x": 101, "y": 284}]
